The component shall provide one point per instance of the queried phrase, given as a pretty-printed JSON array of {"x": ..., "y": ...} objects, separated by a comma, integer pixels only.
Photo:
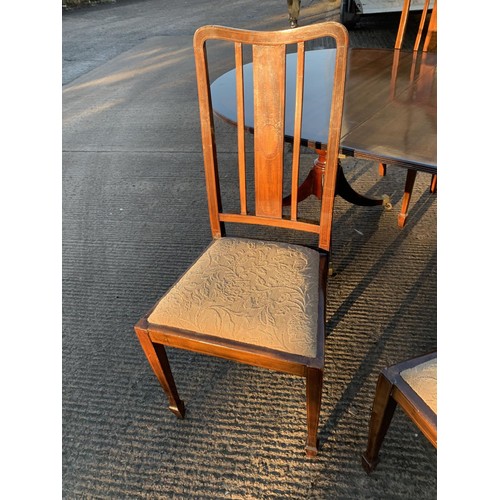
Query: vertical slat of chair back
[
  {"x": 269, "y": 72},
  {"x": 240, "y": 103},
  {"x": 299, "y": 94},
  {"x": 269, "y": 124}
]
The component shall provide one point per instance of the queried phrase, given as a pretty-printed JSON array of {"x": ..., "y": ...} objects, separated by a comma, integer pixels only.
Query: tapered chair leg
[
  {"x": 382, "y": 413},
  {"x": 158, "y": 360},
  {"x": 405, "y": 203},
  {"x": 314, "y": 388}
]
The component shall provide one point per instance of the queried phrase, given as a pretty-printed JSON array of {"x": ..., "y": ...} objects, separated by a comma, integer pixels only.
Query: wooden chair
[
  {"x": 429, "y": 42},
  {"x": 413, "y": 385},
  {"x": 254, "y": 301}
]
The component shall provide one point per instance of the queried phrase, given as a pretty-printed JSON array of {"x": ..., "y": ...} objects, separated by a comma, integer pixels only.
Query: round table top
[{"x": 389, "y": 106}]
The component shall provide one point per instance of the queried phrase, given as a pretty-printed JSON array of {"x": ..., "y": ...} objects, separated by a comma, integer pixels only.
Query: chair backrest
[
  {"x": 431, "y": 26},
  {"x": 269, "y": 74}
]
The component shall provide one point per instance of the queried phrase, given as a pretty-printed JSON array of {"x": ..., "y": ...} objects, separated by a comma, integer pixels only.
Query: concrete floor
[{"x": 134, "y": 217}]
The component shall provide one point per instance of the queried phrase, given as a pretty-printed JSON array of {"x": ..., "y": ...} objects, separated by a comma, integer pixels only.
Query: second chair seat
[{"x": 423, "y": 380}]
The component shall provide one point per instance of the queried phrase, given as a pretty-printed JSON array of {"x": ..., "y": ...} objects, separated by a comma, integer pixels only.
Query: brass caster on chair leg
[
  {"x": 330, "y": 269},
  {"x": 386, "y": 202}
]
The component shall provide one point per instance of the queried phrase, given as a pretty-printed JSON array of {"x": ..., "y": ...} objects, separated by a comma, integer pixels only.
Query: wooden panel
[{"x": 269, "y": 112}]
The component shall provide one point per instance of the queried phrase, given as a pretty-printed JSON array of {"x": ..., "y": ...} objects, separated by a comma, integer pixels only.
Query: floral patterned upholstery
[
  {"x": 423, "y": 380},
  {"x": 256, "y": 292}
]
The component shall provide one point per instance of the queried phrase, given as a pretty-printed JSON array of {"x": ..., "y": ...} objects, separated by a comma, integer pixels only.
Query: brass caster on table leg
[{"x": 386, "y": 202}]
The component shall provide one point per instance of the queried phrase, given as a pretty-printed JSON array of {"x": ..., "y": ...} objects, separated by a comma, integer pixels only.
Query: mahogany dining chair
[{"x": 256, "y": 301}]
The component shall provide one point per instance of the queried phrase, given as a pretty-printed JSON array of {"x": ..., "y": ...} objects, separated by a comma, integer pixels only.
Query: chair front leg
[
  {"x": 405, "y": 203},
  {"x": 382, "y": 413},
  {"x": 314, "y": 388},
  {"x": 157, "y": 357}
]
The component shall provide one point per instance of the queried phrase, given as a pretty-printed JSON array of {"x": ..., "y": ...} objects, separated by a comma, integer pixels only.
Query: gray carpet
[{"x": 134, "y": 217}]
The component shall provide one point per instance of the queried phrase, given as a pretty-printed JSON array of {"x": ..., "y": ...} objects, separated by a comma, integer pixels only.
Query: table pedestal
[{"x": 313, "y": 185}]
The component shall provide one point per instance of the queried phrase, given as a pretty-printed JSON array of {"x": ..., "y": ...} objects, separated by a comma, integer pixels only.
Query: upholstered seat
[
  {"x": 251, "y": 291},
  {"x": 423, "y": 380}
]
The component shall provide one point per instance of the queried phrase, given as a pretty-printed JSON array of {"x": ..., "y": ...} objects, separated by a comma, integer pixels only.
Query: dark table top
[{"x": 389, "y": 108}]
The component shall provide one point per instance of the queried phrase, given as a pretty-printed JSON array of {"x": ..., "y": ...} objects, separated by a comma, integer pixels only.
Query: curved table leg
[{"x": 344, "y": 189}]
